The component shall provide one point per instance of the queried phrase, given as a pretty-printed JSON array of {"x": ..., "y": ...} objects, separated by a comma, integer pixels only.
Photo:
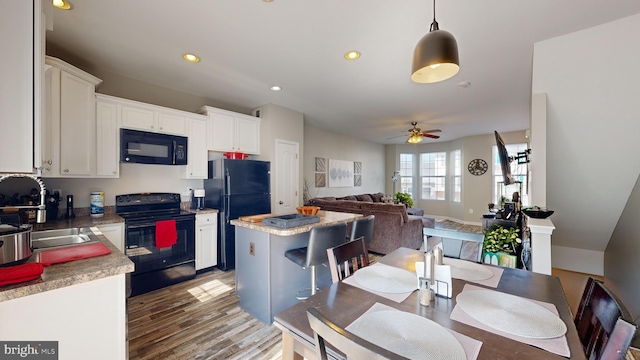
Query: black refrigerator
[{"x": 236, "y": 188}]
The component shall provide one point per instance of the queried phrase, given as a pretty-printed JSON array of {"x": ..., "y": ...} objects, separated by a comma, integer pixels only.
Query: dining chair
[
  {"x": 362, "y": 227},
  {"x": 345, "y": 259},
  {"x": 604, "y": 325},
  {"x": 354, "y": 347},
  {"x": 320, "y": 239},
  {"x": 455, "y": 243}
]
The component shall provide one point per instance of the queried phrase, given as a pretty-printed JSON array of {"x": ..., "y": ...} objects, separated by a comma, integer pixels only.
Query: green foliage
[
  {"x": 499, "y": 239},
  {"x": 403, "y": 198}
]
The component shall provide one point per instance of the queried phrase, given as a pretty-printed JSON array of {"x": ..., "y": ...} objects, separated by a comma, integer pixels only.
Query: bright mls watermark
[{"x": 40, "y": 350}]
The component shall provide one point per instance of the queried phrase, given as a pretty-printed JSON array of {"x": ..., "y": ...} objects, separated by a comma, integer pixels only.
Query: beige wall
[
  {"x": 477, "y": 191},
  {"x": 330, "y": 145},
  {"x": 592, "y": 129}
]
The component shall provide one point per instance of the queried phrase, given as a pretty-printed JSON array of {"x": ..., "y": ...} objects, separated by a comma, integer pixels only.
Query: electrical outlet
[
  {"x": 252, "y": 249},
  {"x": 470, "y": 211}
]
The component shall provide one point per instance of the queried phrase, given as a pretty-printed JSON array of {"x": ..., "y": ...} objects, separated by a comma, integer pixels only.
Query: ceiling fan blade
[
  {"x": 393, "y": 137},
  {"x": 432, "y": 131},
  {"x": 431, "y": 136}
]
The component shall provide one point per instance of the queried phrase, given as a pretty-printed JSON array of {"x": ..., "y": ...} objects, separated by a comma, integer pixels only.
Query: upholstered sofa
[{"x": 393, "y": 227}]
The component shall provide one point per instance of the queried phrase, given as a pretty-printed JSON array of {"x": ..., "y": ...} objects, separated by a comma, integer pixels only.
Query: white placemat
[
  {"x": 397, "y": 297},
  {"x": 387, "y": 279},
  {"x": 557, "y": 345},
  {"x": 413, "y": 336},
  {"x": 468, "y": 270}
]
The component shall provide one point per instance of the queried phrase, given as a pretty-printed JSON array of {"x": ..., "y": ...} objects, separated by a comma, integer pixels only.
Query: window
[
  {"x": 518, "y": 173},
  {"x": 406, "y": 174},
  {"x": 433, "y": 171},
  {"x": 456, "y": 175}
]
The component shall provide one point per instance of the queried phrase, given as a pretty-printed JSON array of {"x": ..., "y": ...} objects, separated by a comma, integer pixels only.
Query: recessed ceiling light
[
  {"x": 352, "y": 55},
  {"x": 275, "y": 87},
  {"x": 267, "y": 0},
  {"x": 191, "y": 58},
  {"x": 62, "y": 4}
]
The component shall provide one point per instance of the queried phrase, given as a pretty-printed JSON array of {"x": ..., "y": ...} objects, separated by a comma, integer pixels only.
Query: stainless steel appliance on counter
[
  {"x": 236, "y": 188},
  {"x": 197, "y": 199},
  {"x": 157, "y": 265}
]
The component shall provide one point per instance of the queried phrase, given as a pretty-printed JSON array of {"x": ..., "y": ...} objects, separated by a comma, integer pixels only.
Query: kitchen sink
[{"x": 62, "y": 237}]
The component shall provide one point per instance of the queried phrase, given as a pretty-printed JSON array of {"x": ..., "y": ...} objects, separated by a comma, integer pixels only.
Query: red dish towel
[
  {"x": 166, "y": 233},
  {"x": 20, "y": 273},
  {"x": 56, "y": 256}
]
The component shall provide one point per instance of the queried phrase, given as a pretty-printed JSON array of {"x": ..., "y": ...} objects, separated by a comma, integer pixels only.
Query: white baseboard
[{"x": 578, "y": 260}]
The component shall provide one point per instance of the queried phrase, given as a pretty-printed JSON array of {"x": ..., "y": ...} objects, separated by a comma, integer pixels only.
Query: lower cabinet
[
  {"x": 115, "y": 234},
  {"x": 206, "y": 240}
]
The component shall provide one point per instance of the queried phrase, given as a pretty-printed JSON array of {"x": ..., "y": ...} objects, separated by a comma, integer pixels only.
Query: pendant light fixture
[{"x": 435, "y": 57}]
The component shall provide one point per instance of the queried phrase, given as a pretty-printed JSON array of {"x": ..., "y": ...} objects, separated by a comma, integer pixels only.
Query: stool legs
[{"x": 305, "y": 293}]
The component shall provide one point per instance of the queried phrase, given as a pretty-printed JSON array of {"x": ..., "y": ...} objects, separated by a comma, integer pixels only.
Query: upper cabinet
[
  {"x": 232, "y": 132},
  {"x": 69, "y": 129},
  {"x": 152, "y": 118},
  {"x": 107, "y": 141},
  {"x": 22, "y": 59}
]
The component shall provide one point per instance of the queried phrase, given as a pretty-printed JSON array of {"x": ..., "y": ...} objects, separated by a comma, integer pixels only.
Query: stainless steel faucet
[{"x": 41, "y": 216}]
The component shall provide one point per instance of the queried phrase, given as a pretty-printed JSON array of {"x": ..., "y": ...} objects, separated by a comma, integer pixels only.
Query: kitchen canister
[{"x": 97, "y": 204}]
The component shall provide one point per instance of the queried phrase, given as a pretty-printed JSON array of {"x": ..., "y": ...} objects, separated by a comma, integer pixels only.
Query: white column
[{"x": 541, "y": 230}]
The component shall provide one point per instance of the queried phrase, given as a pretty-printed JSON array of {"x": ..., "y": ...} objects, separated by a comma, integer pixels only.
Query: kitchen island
[
  {"x": 80, "y": 304},
  {"x": 266, "y": 281}
]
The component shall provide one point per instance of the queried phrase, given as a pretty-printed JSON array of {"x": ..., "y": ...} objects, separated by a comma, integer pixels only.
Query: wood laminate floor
[{"x": 198, "y": 319}]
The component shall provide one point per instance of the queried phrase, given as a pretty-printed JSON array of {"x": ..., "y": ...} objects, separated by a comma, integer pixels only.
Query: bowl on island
[{"x": 308, "y": 210}]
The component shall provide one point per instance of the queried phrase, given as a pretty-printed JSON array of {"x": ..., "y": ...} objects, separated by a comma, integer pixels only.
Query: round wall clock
[{"x": 477, "y": 167}]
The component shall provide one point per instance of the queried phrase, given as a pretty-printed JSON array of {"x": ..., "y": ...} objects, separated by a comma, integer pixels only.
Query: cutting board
[
  {"x": 255, "y": 218},
  {"x": 49, "y": 257}
]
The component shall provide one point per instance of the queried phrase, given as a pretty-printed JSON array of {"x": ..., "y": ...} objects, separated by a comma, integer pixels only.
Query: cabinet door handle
[
  {"x": 49, "y": 162},
  {"x": 280, "y": 202},
  {"x": 66, "y": 170},
  {"x": 113, "y": 172}
]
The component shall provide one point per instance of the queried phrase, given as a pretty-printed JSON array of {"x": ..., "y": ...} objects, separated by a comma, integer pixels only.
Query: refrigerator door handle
[{"x": 227, "y": 179}]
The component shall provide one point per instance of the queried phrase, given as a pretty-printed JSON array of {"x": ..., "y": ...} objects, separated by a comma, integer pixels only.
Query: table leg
[{"x": 288, "y": 344}]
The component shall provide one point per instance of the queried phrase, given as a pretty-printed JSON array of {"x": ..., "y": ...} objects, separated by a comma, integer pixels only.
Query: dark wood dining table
[{"x": 343, "y": 304}]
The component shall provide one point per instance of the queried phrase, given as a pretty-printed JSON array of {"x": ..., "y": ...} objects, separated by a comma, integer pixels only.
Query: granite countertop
[
  {"x": 74, "y": 272},
  {"x": 326, "y": 218},
  {"x": 204, "y": 211},
  {"x": 79, "y": 221}
]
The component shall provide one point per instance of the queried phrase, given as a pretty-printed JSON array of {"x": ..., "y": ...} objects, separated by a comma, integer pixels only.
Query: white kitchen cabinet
[
  {"x": 115, "y": 234},
  {"x": 22, "y": 59},
  {"x": 107, "y": 144},
  {"x": 206, "y": 240},
  {"x": 147, "y": 117},
  {"x": 71, "y": 121},
  {"x": 197, "y": 148},
  {"x": 232, "y": 132}
]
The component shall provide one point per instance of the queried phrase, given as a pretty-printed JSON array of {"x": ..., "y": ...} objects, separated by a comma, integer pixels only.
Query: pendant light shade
[
  {"x": 435, "y": 57},
  {"x": 414, "y": 139}
]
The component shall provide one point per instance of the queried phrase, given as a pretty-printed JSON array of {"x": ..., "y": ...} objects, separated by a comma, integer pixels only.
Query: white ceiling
[{"x": 248, "y": 45}]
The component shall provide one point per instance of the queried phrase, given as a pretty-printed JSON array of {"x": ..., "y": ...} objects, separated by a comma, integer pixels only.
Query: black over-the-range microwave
[{"x": 144, "y": 147}]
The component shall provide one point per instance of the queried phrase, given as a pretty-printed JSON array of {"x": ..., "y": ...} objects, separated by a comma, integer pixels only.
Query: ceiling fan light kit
[
  {"x": 435, "y": 57},
  {"x": 414, "y": 139}
]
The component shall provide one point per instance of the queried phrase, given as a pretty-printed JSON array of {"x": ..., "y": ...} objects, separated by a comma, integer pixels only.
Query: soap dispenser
[{"x": 69, "y": 214}]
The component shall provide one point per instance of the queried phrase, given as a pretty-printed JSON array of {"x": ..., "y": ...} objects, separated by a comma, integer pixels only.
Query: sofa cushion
[
  {"x": 364, "y": 197},
  {"x": 392, "y": 208},
  {"x": 348, "y": 197},
  {"x": 377, "y": 197}
]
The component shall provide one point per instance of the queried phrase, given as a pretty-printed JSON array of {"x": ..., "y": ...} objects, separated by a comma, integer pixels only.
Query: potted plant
[
  {"x": 499, "y": 246},
  {"x": 404, "y": 198}
]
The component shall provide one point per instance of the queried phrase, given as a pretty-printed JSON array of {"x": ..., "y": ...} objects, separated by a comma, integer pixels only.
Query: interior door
[{"x": 287, "y": 173}]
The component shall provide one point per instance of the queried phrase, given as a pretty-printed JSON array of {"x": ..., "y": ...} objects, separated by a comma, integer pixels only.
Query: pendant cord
[{"x": 434, "y": 24}]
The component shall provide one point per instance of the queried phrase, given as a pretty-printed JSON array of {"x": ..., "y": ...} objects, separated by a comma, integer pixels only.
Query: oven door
[{"x": 141, "y": 245}]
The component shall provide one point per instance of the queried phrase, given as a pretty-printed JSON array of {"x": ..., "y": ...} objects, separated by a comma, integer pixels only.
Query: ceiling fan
[{"x": 416, "y": 134}]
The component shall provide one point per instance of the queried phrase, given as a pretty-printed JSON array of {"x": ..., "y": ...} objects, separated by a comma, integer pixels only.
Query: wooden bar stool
[{"x": 320, "y": 239}]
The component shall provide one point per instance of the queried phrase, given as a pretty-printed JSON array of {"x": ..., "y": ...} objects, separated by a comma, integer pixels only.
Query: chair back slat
[
  {"x": 345, "y": 259},
  {"x": 604, "y": 325}
]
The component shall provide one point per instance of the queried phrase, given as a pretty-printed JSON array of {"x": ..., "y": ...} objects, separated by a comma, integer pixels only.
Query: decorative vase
[{"x": 507, "y": 260}]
